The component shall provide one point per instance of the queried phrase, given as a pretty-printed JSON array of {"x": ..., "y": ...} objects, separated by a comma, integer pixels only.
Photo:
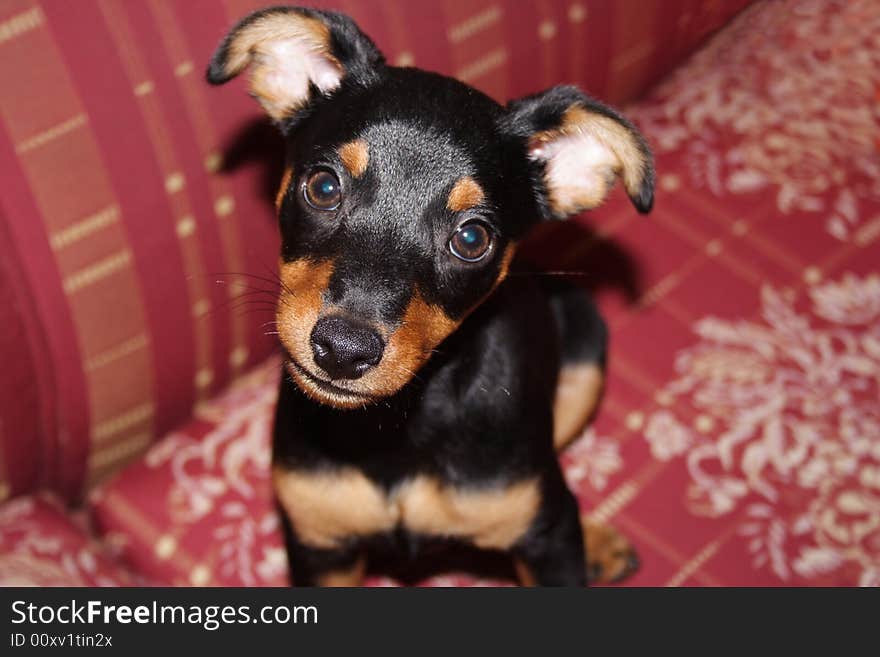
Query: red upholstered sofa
[{"x": 739, "y": 439}]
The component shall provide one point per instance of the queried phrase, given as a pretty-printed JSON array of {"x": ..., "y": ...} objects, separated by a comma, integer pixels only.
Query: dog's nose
[{"x": 345, "y": 350}]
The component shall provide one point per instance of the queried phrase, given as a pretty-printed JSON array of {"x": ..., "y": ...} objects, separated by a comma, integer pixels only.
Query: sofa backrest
[{"x": 136, "y": 223}]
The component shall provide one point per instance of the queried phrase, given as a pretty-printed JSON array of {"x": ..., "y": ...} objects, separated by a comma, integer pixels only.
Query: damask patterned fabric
[
  {"x": 136, "y": 223},
  {"x": 739, "y": 439},
  {"x": 197, "y": 508},
  {"x": 41, "y": 546}
]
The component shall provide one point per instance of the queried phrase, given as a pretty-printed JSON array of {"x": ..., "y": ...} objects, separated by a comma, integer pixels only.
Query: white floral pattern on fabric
[
  {"x": 591, "y": 459},
  {"x": 786, "y": 100},
  {"x": 668, "y": 437},
  {"x": 40, "y": 546},
  {"x": 224, "y": 473},
  {"x": 233, "y": 458},
  {"x": 796, "y": 402}
]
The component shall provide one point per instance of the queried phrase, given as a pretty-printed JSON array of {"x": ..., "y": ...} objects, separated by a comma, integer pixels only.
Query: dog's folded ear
[
  {"x": 293, "y": 54},
  {"x": 578, "y": 147}
]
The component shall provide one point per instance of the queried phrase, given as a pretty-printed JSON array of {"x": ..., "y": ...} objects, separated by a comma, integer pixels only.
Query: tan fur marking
[
  {"x": 250, "y": 46},
  {"x": 504, "y": 268},
  {"x": 609, "y": 553},
  {"x": 625, "y": 159},
  {"x": 355, "y": 156},
  {"x": 279, "y": 26},
  {"x": 465, "y": 194},
  {"x": 571, "y": 200},
  {"x": 423, "y": 327},
  {"x": 353, "y": 576},
  {"x": 326, "y": 507},
  {"x": 524, "y": 574},
  {"x": 299, "y": 306},
  {"x": 282, "y": 190},
  {"x": 616, "y": 137},
  {"x": 492, "y": 519},
  {"x": 577, "y": 394}
]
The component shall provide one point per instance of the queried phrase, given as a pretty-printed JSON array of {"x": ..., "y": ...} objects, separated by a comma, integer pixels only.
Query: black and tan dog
[{"x": 424, "y": 394}]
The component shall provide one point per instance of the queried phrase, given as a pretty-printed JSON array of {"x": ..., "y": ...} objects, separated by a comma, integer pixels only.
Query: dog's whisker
[
  {"x": 252, "y": 307},
  {"x": 255, "y": 293},
  {"x": 550, "y": 273},
  {"x": 273, "y": 281},
  {"x": 231, "y": 305},
  {"x": 273, "y": 288},
  {"x": 277, "y": 278}
]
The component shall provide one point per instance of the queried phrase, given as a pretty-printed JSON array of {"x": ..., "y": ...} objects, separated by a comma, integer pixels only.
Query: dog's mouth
[{"x": 323, "y": 390}]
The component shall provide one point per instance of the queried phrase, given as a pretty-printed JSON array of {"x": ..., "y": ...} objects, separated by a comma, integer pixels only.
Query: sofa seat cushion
[
  {"x": 41, "y": 545},
  {"x": 197, "y": 508}
]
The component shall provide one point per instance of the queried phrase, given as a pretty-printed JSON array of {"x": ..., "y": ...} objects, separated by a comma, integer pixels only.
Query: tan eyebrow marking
[
  {"x": 355, "y": 156},
  {"x": 285, "y": 183},
  {"x": 465, "y": 194}
]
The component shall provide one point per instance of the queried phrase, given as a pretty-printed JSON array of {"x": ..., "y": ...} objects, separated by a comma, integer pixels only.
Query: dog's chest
[{"x": 327, "y": 508}]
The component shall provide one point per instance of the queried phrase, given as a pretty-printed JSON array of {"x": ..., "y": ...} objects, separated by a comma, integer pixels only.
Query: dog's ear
[
  {"x": 578, "y": 148},
  {"x": 294, "y": 54}
]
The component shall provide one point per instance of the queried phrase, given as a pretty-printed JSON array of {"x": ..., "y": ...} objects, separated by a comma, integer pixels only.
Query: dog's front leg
[
  {"x": 310, "y": 566},
  {"x": 551, "y": 553}
]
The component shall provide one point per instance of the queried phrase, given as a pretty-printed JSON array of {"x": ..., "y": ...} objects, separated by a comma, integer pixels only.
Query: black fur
[{"x": 479, "y": 412}]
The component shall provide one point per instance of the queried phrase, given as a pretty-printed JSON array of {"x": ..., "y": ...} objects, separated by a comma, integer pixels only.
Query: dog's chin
[{"x": 324, "y": 391}]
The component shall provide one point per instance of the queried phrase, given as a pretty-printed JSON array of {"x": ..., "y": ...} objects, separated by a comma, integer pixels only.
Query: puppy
[{"x": 424, "y": 393}]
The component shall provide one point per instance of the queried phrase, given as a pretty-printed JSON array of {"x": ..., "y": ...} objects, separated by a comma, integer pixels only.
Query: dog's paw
[{"x": 610, "y": 556}]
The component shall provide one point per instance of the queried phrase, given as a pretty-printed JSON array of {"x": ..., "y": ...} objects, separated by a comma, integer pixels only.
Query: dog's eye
[
  {"x": 321, "y": 191},
  {"x": 470, "y": 242}
]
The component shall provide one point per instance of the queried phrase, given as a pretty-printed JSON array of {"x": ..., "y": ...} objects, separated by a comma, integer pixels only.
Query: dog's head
[{"x": 405, "y": 193}]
